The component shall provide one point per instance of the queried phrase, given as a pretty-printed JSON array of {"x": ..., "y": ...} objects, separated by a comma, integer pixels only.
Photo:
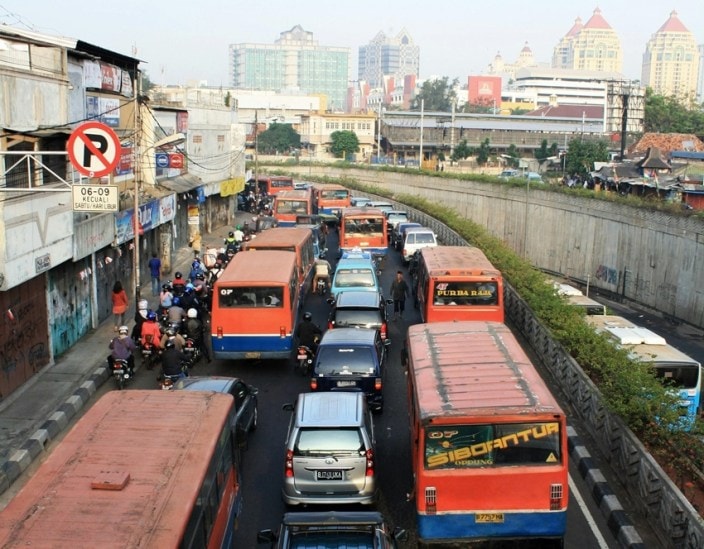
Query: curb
[
  {"x": 36, "y": 444},
  {"x": 614, "y": 513}
]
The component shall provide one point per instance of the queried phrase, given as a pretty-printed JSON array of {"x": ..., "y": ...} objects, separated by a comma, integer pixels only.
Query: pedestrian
[
  {"x": 119, "y": 304},
  {"x": 399, "y": 291},
  {"x": 155, "y": 271}
]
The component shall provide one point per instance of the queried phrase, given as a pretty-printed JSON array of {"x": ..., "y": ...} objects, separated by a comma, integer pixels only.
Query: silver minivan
[
  {"x": 417, "y": 238},
  {"x": 330, "y": 450}
]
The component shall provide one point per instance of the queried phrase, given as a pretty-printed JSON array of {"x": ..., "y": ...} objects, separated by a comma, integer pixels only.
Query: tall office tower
[
  {"x": 385, "y": 56},
  {"x": 594, "y": 46},
  {"x": 293, "y": 63},
  {"x": 671, "y": 61}
]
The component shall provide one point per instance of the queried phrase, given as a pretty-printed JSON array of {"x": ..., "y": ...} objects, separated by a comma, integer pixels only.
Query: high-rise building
[
  {"x": 293, "y": 63},
  {"x": 384, "y": 56},
  {"x": 508, "y": 70},
  {"x": 671, "y": 61},
  {"x": 594, "y": 46}
]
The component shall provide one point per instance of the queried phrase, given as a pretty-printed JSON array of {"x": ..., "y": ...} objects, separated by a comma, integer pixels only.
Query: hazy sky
[{"x": 188, "y": 40}]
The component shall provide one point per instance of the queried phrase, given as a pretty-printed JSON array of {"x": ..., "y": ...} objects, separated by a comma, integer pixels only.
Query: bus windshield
[
  {"x": 467, "y": 446},
  {"x": 364, "y": 226}
]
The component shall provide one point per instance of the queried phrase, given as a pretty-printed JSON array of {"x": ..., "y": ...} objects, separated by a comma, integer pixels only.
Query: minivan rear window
[
  {"x": 318, "y": 441},
  {"x": 367, "y": 318},
  {"x": 352, "y": 278},
  {"x": 350, "y": 360}
]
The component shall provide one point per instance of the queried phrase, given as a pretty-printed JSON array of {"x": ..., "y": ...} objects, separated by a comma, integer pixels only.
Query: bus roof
[
  {"x": 159, "y": 441},
  {"x": 259, "y": 267},
  {"x": 279, "y": 237},
  {"x": 296, "y": 194},
  {"x": 489, "y": 377},
  {"x": 457, "y": 260},
  {"x": 329, "y": 186},
  {"x": 643, "y": 343},
  {"x": 362, "y": 212}
]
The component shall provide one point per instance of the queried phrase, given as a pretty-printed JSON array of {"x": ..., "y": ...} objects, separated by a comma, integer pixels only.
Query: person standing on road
[
  {"x": 119, "y": 304},
  {"x": 399, "y": 291},
  {"x": 155, "y": 271}
]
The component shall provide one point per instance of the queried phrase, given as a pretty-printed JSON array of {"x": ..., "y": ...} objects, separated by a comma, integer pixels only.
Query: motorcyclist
[
  {"x": 232, "y": 245},
  {"x": 196, "y": 269},
  {"x": 140, "y": 315},
  {"x": 322, "y": 272},
  {"x": 238, "y": 234},
  {"x": 178, "y": 283},
  {"x": 194, "y": 330},
  {"x": 189, "y": 299},
  {"x": 230, "y": 239},
  {"x": 166, "y": 298},
  {"x": 172, "y": 336},
  {"x": 308, "y": 333},
  {"x": 122, "y": 348},
  {"x": 151, "y": 332},
  {"x": 172, "y": 360},
  {"x": 176, "y": 313}
]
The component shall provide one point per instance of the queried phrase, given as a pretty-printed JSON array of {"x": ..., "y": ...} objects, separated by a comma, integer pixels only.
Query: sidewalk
[{"x": 33, "y": 415}]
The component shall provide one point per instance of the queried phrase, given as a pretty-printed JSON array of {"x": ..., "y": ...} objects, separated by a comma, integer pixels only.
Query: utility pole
[
  {"x": 422, "y": 111},
  {"x": 256, "y": 151},
  {"x": 452, "y": 128},
  {"x": 137, "y": 182}
]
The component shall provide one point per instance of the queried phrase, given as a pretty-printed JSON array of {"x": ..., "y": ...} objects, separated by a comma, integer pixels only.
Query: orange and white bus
[
  {"x": 255, "y": 306},
  {"x": 330, "y": 198},
  {"x": 289, "y": 205},
  {"x": 488, "y": 440},
  {"x": 300, "y": 240},
  {"x": 364, "y": 228},
  {"x": 458, "y": 283},
  {"x": 139, "y": 469},
  {"x": 273, "y": 184}
]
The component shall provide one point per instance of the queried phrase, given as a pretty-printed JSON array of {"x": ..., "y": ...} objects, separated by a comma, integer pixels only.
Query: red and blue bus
[
  {"x": 273, "y": 184},
  {"x": 364, "y": 228},
  {"x": 255, "y": 306},
  {"x": 458, "y": 283},
  {"x": 488, "y": 439},
  {"x": 330, "y": 198},
  {"x": 139, "y": 469},
  {"x": 291, "y": 205},
  {"x": 300, "y": 240}
]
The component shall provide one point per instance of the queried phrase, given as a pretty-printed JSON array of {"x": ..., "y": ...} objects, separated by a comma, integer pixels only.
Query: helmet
[
  {"x": 239, "y": 228},
  {"x": 123, "y": 330},
  {"x": 176, "y": 301},
  {"x": 192, "y": 313},
  {"x": 200, "y": 276},
  {"x": 195, "y": 264},
  {"x": 307, "y": 316},
  {"x": 178, "y": 274},
  {"x": 151, "y": 315},
  {"x": 143, "y": 304},
  {"x": 231, "y": 234},
  {"x": 165, "y": 287}
]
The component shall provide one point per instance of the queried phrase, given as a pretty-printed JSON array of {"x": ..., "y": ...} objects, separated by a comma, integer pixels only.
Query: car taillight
[
  {"x": 219, "y": 332},
  {"x": 331, "y": 325},
  {"x": 370, "y": 463},
  {"x": 282, "y": 331},
  {"x": 289, "y": 464},
  {"x": 383, "y": 331},
  {"x": 313, "y": 384},
  {"x": 556, "y": 493},
  {"x": 431, "y": 500},
  {"x": 377, "y": 384}
]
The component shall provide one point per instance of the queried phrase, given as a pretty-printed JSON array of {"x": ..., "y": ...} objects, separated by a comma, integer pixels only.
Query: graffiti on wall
[{"x": 607, "y": 274}]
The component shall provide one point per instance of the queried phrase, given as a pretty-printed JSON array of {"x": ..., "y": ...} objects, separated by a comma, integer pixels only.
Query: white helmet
[
  {"x": 143, "y": 304},
  {"x": 192, "y": 313},
  {"x": 124, "y": 330}
]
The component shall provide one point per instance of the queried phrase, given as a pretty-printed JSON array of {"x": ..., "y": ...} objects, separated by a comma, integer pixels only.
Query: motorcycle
[
  {"x": 322, "y": 286},
  {"x": 120, "y": 371},
  {"x": 192, "y": 351},
  {"x": 304, "y": 360},
  {"x": 150, "y": 354},
  {"x": 166, "y": 382}
]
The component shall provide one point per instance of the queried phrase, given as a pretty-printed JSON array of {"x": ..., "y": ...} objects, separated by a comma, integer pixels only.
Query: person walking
[
  {"x": 119, "y": 304},
  {"x": 155, "y": 270},
  {"x": 399, "y": 291}
]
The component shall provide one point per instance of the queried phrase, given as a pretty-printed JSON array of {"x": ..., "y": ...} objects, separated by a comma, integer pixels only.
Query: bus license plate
[
  {"x": 253, "y": 354},
  {"x": 328, "y": 475},
  {"x": 346, "y": 383},
  {"x": 489, "y": 517}
]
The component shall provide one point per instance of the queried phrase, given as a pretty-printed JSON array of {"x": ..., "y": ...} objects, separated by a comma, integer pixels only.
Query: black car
[
  {"x": 351, "y": 359},
  {"x": 358, "y": 309},
  {"x": 246, "y": 413},
  {"x": 359, "y": 529}
]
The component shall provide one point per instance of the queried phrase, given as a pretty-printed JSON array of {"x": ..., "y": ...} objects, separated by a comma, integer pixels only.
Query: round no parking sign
[{"x": 94, "y": 149}]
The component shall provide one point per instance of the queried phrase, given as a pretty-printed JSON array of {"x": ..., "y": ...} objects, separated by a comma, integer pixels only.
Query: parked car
[
  {"x": 351, "y": 359},
  {"x": 311, "y": 530},
  {"x": 398, "y": 235},
  {"x": 533, "y": 177},
  {"x": 246, "y": 409},
  {"x": 355, "y": 309},
  {"x": 330, "y": 450},
  {"x": 417, "y": 238},
  {"x": 508, "y": 174}
]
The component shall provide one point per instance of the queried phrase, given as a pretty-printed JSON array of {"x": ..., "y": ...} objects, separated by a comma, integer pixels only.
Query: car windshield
[
  {"x": 344, "y": 361},
  {"x": 352, "y": 278},
  {"x": 362, "y": 318},
  {"x": 334, "y": 440}
]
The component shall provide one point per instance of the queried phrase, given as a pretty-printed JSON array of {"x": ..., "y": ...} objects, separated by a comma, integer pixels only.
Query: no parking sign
[{"x": 94, "y": 149}]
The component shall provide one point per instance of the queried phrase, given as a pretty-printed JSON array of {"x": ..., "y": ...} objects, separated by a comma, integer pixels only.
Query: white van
[{"x": 417, "y": 238}]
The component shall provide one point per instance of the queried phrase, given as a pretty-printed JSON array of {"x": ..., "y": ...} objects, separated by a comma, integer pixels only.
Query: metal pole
[
  {"x": 137, "y": 179},
  {"x": 310, "y": 135},
  {"x": 452, "y": 129},
  {"x": 256, "y": 151},
  {"x": 525, "y": 224},
  {"x": 422, "y": 109},
  {"x": 378, "y": 133}
]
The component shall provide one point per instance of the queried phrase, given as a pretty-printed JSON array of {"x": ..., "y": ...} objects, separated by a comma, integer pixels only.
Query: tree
[
  {"x": 344, "y": 142},
  {"x": 668, "y": 115},
  {"x": 483, "y": 152},
  {"x": 513, "y": 154},
  {"x": 544, "y": 151},
  {"x": 145, "y": 84},
  {"x": 279, "y": 138},
  {"x": 437, "y": 94},
  {"x": 461, "y": 151},
  {"x": 581, "y": 155}
]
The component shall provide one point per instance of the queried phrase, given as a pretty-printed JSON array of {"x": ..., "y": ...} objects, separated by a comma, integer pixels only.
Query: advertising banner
[
  {"x": 167, "y": 208},
  {"x": 92, "y": 74},
  {"x": 109, "y": 111},
  {"x": 111, "y": 77}
]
